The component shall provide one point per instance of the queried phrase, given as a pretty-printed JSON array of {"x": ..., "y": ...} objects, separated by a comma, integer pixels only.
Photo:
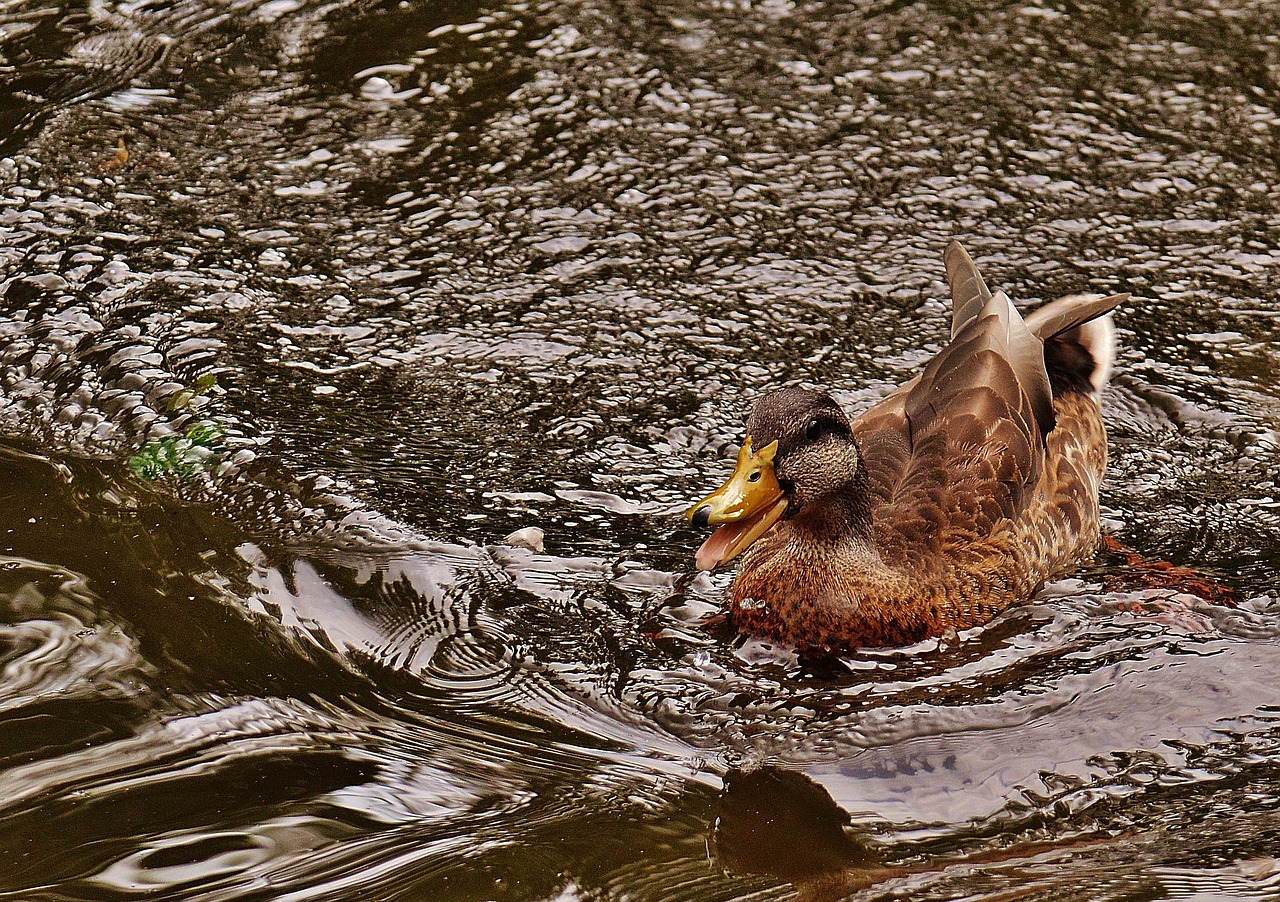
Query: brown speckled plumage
[{"x": 953, "y": 498}]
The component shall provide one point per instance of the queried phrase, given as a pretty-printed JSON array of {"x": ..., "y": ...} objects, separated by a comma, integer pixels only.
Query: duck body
[{"x": 953, "y": 498}]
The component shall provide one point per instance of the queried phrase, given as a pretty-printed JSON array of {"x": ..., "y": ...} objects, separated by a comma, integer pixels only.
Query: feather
[
  {"x": 1026, "y": 354},
  {"x": 970, "y": 485},
  {"x": 969, "y": 294},
  {"x": 1070, "y": 312}
]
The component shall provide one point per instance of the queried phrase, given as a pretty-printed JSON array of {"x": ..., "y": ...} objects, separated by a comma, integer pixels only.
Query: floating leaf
[
  {"x": 180, "y": 455},
  {"x": 205, "y": 434},
  {"x": 183, "y": 399}
]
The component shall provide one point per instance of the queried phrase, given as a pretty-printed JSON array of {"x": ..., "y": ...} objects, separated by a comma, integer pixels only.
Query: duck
[{"x": 956, "y": 496}]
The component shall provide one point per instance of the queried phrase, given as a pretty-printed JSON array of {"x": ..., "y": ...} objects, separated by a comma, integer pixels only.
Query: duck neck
[{"x": 842, "y": 517}]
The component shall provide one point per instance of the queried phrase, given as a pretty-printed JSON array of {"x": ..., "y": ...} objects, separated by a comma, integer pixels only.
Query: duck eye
[{"x": 813, "y": 430}]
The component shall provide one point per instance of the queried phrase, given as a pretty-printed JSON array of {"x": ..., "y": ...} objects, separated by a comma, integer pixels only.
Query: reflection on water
[{"x": 381, "y": 283}]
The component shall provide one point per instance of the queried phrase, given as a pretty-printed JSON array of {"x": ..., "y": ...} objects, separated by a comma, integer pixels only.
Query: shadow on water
[{"x": 379, "y": 284}]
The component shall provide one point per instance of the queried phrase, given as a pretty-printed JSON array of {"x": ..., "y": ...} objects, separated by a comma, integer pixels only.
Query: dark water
[{"x": 380, "y": 283}]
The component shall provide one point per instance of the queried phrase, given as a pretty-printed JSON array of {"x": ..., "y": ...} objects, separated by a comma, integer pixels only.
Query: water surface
[{"x": 307, "y": 306}]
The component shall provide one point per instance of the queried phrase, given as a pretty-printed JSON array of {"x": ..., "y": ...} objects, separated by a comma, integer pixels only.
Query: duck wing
[
  {"x": 969, "y": 294},
  {"x": 961, "y": 447}
]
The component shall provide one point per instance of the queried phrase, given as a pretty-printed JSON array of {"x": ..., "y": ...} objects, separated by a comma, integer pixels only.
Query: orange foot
[{"x": 1147, "y": 574}]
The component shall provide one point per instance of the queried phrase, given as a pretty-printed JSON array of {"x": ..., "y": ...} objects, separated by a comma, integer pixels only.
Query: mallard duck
[{"x": 956, "y": 496}]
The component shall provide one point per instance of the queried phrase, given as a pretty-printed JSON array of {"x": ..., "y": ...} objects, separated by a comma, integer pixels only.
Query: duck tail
[
  {"x": 1079, "y": 341},
  {"x": 1078, "y": 334}
]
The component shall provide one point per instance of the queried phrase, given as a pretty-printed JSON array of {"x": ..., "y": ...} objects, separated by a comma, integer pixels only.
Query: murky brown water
[{"x": 380, "y": 283}]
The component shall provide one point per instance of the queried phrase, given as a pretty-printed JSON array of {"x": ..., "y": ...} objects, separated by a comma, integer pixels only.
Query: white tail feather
[{"x": 1098, "y": 336}]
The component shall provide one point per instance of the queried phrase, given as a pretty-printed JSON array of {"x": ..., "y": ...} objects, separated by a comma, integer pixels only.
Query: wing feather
[
  {"x": 1068, "y": 313},
  {"x": 969, "y": 294},
  {"x": 959, "y": 449}
]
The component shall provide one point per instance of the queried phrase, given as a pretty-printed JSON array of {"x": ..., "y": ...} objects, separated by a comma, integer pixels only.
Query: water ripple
[
  {"x": 368, "y": 286},
  {"x": 56, "y": 645}
]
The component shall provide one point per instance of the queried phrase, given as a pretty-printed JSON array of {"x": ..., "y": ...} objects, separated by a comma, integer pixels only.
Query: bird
[{"x": 954, "y": 497}]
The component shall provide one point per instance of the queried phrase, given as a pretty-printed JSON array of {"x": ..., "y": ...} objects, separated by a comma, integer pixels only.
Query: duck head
[{"x": 798, "y": 454}]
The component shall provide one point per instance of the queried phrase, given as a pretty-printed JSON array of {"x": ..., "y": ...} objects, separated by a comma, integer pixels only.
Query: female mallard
[{"x": 955, "y": 497}]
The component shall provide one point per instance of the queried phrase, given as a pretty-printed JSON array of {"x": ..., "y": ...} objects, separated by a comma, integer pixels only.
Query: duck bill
[{"x": 745, "y": 507}]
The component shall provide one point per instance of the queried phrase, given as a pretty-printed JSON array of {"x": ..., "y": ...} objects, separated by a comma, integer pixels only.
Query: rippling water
[{"x": 308, "y": 306}]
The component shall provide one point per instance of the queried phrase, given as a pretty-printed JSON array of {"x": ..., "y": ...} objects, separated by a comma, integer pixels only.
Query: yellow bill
[{"x": 745, "y": 507}]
